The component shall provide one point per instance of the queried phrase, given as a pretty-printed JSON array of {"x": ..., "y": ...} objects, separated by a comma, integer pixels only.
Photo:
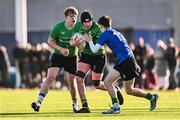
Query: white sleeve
[{"x": 95, "y": 47}]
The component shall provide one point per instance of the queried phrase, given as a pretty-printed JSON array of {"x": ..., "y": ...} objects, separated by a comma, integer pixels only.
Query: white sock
[
  {"x": 116, "y": 105},
  {"x": 40, "y": 98}
]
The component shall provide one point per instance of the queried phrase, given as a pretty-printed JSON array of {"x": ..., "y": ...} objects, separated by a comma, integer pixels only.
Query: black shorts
[
  {"x": 68, "y": 63},
  {"x": 96, "y": 62},
  {"x": 127, "y": 69}
]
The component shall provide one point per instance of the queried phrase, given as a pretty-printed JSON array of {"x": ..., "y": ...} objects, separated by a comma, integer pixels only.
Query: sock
[
  {"x": 116, "y": 105},
  {"x": 149, "y": 96},
  {"x": 84, "y": 103},
  {"x": 74, "y": 101},
  {"x": 114, "y": 100},
  {"x": 40, "y": 98}
]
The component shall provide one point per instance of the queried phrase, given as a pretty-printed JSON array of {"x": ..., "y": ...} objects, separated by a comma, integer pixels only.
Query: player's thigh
[
  {"x": 70, "y": 76},
  {"x": 83, "y": 67},
  {"x": 112, "y": 76},
  {"x": 97, "y": 76},
  {"x": 128, "y": 85},
  {"x": 52, "y": 72}
]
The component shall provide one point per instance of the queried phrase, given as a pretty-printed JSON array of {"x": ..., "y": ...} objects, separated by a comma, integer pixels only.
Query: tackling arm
[{"x": 95, "y": 47}]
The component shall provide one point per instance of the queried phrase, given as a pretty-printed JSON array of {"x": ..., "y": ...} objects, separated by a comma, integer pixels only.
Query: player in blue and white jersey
[{"x": 126, "y": 67}]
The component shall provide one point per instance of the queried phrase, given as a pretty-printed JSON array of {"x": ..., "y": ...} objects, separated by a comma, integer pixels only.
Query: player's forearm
[
  {"x": 94, "y": 48},
  {"x": 53, "y": 44}
]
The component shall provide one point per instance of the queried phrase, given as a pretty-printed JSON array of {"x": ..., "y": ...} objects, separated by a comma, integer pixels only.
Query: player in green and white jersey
[
  {"x": 90, "y": 61},
  {"x": 64, "y": 56}
]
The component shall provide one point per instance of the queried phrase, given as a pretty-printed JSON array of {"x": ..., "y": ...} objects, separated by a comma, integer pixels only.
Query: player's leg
[
  {"x": 73, "y": 90},
  {"x": 129, "y": 70},
  {"x": 112, "y": 77},
  {"x": 70, "y": 66},
  {"x": 81, "y": 73},
  {"x": 98, "y": 84},
  {"x": 97, "y": 65},
  {"x": 129, "y": 88},
  {"x": 51, "y": 76}
]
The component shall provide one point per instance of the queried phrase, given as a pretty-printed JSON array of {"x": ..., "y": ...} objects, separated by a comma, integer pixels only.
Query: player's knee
[
  {"x": 80, "y": 83},
  {"x": 71, "y": 82},
  {"x": 96, "y": 83},
  {"x": 80, "y": 74},
  {"x": 50, "y": 79},
  {"x": 129, "y": 91},
  {"x": 107, "y": 83}
]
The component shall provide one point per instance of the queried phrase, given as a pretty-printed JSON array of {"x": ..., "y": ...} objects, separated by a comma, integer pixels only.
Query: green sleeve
[
  {"x": 78, "y": 26},
  {"x": 98, "y": 32},
  {"x": 54, "y": 33}
]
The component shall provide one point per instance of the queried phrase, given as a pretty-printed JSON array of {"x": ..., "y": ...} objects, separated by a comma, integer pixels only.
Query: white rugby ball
[{"x": 78, "y": 36}]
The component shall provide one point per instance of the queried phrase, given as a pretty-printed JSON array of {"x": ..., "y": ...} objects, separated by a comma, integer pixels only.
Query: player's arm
[
  {"x": 52, "y": 41},
  {"x": 53, "y": 44},
  {"x": 74, "y": 42},
  {"x": 94, "y": 48}
]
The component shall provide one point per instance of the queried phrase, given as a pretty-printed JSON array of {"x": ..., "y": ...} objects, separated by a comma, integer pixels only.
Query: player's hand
[
  {"x": 87, "y": 37},
  {"x": 138, "y": 68},
  {"x": 74, "y": 42},
  {"x": 64, "y": 51}
]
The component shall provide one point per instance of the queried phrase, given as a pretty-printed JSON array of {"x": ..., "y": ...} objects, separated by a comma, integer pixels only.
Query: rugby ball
[{"x": 78, "y": 36}]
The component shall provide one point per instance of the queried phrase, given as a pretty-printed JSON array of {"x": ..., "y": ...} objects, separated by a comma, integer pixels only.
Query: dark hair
[
  {"x": 105, "y": 21},
  {"x": 70, "y": 10},
  {"x": 86, "y": 16}
]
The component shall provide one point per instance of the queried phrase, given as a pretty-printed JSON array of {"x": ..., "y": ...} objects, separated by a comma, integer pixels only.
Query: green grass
[{"x": 16, "y": 105}]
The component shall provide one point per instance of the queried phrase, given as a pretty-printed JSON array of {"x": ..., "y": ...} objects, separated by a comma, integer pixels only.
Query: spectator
[
  {"x": 151, "y": 76},
  {"x": 161, "y": 65},
  {"x": 177, "y": 72},
  {"x": 140, "y": 56},
  {"x": 44, "y": 59},
  {"x": 20, "y": 63},
  {"x": 4, "y": 68},
  {"x": 170, "y": 56}
]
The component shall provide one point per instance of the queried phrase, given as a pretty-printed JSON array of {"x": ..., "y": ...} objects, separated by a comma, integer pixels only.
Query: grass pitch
[{"x": 16, "y": 105}]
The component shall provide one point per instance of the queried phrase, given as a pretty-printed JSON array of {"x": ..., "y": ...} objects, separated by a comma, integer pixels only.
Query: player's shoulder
[
  {"x": 59, "y": 24},
  {"x": 108, "y": 33},
  {"x": 95, "y": 24},
  {"x": 78, "y": 24},
  {"x": 111, "y": 30},
  {"x": 95, "y": 27}
]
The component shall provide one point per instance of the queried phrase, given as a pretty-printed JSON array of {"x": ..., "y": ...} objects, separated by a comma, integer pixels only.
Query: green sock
[
  {"x": 149, "y": 96},
  {"x": 114, "y": 100}
]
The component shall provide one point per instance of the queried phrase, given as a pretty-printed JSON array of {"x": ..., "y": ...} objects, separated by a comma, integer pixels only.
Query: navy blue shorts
[{"x": 128, "y": 69}]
